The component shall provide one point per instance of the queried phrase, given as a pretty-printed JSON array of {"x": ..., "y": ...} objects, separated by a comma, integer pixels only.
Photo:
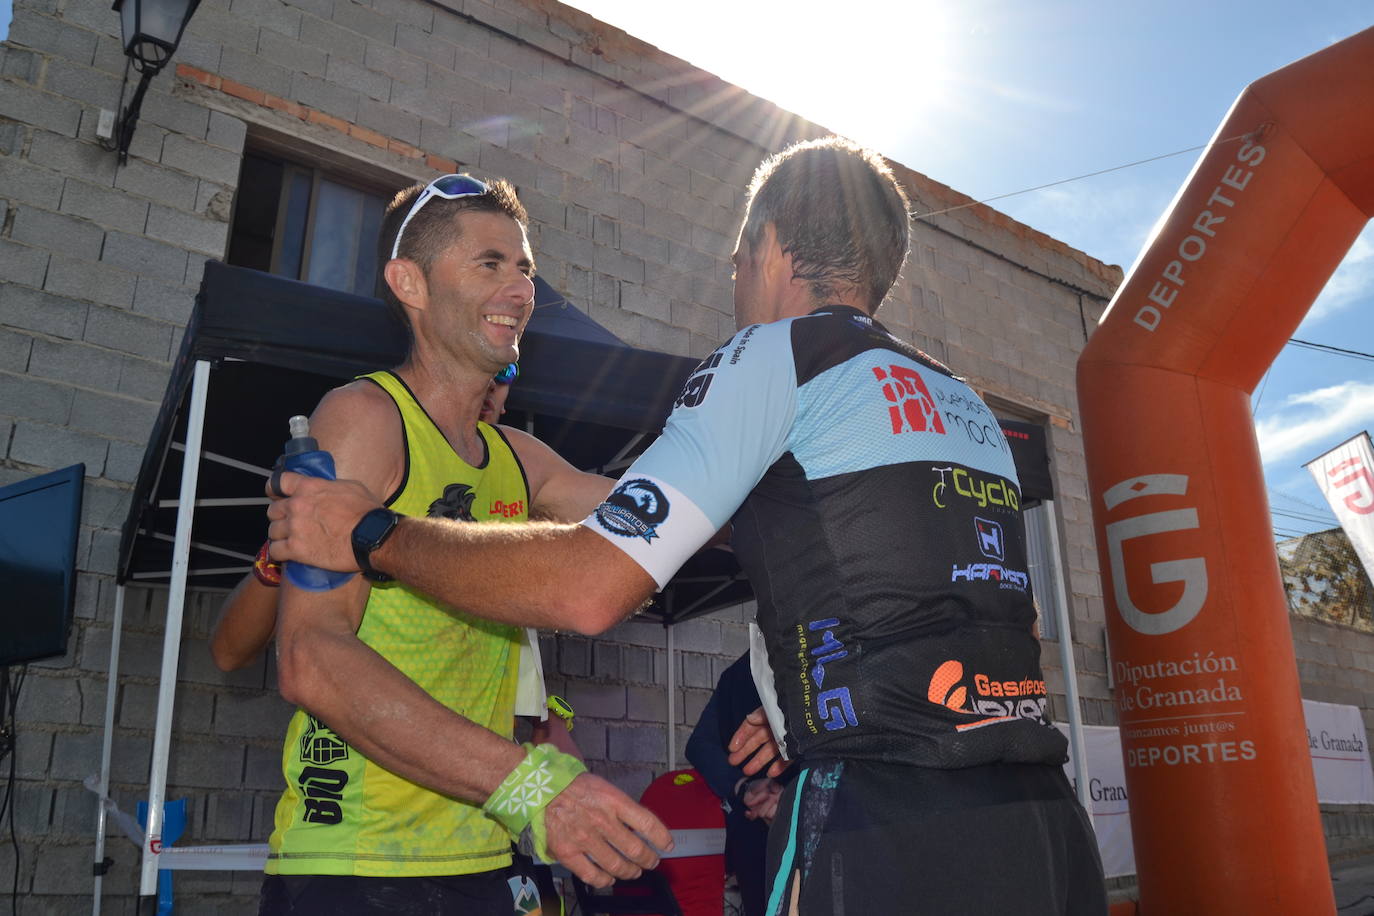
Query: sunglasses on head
[
  {"x": 508, "y": 374},
  {"x": 449, "y": 187}
]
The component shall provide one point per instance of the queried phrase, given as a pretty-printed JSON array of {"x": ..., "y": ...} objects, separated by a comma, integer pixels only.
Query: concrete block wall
[{"x": 633, "y": 165}]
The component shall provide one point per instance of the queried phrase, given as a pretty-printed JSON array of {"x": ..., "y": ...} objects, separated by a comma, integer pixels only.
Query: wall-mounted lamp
[{"x": 152, "y": 30}]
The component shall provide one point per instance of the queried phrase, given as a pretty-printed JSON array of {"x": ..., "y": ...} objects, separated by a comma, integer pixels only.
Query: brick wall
[{"x": 633, "y": 167}]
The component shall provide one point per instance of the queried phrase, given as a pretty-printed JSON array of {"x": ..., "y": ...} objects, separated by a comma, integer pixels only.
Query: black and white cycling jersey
[{"x": 876, "y": 510}]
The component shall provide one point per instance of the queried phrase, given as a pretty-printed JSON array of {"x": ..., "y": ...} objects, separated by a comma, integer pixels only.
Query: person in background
[{"x": 749, "y": 802}]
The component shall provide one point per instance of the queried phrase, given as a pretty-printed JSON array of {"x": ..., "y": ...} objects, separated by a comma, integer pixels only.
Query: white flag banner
[
  {"x": 1339, "y": 745},
  {"x": 1107, "y": 790},
  {"x": 1345, "y": 475}
]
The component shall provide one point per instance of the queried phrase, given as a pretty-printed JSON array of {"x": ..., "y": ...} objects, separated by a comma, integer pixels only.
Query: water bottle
[{"x": 303, "y": 455}]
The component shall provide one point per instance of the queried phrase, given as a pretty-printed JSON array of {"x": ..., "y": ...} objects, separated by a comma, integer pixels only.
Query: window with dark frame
[
  {"x": 1043, "y": 561},
  {"x": 305, "y": 223}
]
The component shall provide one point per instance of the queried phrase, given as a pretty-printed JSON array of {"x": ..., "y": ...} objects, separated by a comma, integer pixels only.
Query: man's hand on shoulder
[
  {"x": 314, "y": 521},
  {"x": 600, "y": 834},
  {"x": 359, "y": 426}
]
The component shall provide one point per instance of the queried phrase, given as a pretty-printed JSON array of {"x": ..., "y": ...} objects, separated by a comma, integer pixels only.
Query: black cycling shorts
[
  {"x": 854, "y": 838},
  {"x": 503, "y": 892}
]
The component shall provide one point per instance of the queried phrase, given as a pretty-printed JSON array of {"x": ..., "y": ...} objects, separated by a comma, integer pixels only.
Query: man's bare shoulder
[
  {"x": 361, "y": 426},
  {"x": 360, "y": 397}
]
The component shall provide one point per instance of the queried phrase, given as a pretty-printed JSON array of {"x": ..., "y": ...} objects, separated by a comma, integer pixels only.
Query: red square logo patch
[{"x": 912, "y": 409}]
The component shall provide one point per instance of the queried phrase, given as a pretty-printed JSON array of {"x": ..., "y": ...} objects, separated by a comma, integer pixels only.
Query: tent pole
[
  {"x": 111, "y": 686},
  {"x": 1066, "y": 662},
  {"x": 171, "y": 640},
  {"x": 672, "y": 701}
]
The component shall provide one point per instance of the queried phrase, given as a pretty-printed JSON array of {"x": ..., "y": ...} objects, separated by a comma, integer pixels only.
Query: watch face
[{"x": 373, "y": 527}]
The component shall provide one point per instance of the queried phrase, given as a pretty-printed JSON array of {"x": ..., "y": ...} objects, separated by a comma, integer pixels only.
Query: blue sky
[{"x": 995, "y": 96}]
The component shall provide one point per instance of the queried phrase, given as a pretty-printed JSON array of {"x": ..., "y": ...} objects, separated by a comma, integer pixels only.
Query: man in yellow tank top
[{"x": 404, "y": 788}]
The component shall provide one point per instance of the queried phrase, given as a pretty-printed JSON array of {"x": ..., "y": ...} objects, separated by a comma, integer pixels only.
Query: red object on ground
[{"x": 683, "y": 801}]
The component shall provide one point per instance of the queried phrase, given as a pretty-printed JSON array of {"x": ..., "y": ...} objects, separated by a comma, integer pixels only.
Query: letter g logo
[{"x": 1192, "y": 572}]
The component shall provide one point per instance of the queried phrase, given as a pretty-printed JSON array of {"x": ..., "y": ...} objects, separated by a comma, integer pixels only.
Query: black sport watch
[{"x": 370, "y": 533}]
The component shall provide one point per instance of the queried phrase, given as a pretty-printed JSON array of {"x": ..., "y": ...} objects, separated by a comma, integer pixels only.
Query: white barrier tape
[
  {"x": 253, "y": 856},
  {"x": 240, "y": 857},
  {"x": 128, "y": 825},
  {"x": 706, "y": 841}
]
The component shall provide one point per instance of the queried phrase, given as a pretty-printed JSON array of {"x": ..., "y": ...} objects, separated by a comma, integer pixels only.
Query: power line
[
  {"x": 1327, "y": 348},
  {"x": 1298, "y": 499},
  {"x": 1296, "y": 516},
  {"x": 1041, "y": 187}
]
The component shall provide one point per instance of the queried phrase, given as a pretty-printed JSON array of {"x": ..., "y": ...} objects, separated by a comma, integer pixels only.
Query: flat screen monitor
[{"x": 39, "y": 519}]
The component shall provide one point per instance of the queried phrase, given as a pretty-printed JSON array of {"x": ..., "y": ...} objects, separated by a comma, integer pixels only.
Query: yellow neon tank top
[{"x": 341, "y": 814}]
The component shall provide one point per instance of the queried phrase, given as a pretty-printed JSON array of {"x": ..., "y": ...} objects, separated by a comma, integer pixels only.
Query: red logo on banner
[
  {"x": 913, "y": 409},
  {"x": 1362, "y": 500}
]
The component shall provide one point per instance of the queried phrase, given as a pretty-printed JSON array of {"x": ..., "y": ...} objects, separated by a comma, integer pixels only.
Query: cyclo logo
[
  {"x": 1192, "y": 571},
  {"x": 990, "y": 491}
]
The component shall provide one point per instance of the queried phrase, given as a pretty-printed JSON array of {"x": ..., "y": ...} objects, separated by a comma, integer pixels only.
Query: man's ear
[
  {"x": 772, "y": 262},
  {"x": 407, "y": 282}
]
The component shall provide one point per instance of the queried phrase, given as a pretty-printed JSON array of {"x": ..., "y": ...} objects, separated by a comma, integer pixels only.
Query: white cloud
[
  {"x": 1352, "y": 282},
  {"x": 1308, "y": 422}
]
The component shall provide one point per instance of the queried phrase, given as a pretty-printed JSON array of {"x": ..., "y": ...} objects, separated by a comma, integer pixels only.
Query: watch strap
[{"x": 363, "y": 545}]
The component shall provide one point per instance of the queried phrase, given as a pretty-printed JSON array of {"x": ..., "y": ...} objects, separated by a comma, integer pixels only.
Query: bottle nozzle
[{"x": 301, "y": 440}]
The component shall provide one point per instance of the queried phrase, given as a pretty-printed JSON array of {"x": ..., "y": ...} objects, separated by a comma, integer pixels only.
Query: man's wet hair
[
  {"x": 433, "y": 229},
  {"x": 838, "y": 211}
]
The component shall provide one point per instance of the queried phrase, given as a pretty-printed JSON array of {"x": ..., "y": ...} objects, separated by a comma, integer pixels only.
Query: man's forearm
[
  {"x": 537, "y": 574},
  {"x": 390, "y": 720}
]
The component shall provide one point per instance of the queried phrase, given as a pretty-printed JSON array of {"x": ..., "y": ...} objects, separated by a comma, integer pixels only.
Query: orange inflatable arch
[{"x": 1223, "y": 806}]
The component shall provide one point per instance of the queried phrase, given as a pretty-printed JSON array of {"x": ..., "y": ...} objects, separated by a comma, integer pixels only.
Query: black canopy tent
[{"x": 276, "y": 346}]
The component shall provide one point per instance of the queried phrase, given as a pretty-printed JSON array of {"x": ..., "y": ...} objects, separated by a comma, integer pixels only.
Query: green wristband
[{"x": 528, "y": 789}]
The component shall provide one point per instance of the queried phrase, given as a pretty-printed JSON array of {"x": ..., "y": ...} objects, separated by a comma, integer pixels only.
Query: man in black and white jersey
[{"x": 876, "y": 511}]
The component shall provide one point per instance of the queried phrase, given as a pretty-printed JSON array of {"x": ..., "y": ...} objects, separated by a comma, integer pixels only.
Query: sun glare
[{"x": 873, "y": 76}]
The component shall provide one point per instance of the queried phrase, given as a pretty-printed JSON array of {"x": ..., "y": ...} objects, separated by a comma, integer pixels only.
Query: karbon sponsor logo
[
  {"x": 991, "y": 544},
  {"x": 998, "y": 700},
  {"x": 990, "y": 538},
  {"x": 994, "y": 491},
  {"x": 1191, "y": 571},
  {"x": 635, "y": 509}
]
